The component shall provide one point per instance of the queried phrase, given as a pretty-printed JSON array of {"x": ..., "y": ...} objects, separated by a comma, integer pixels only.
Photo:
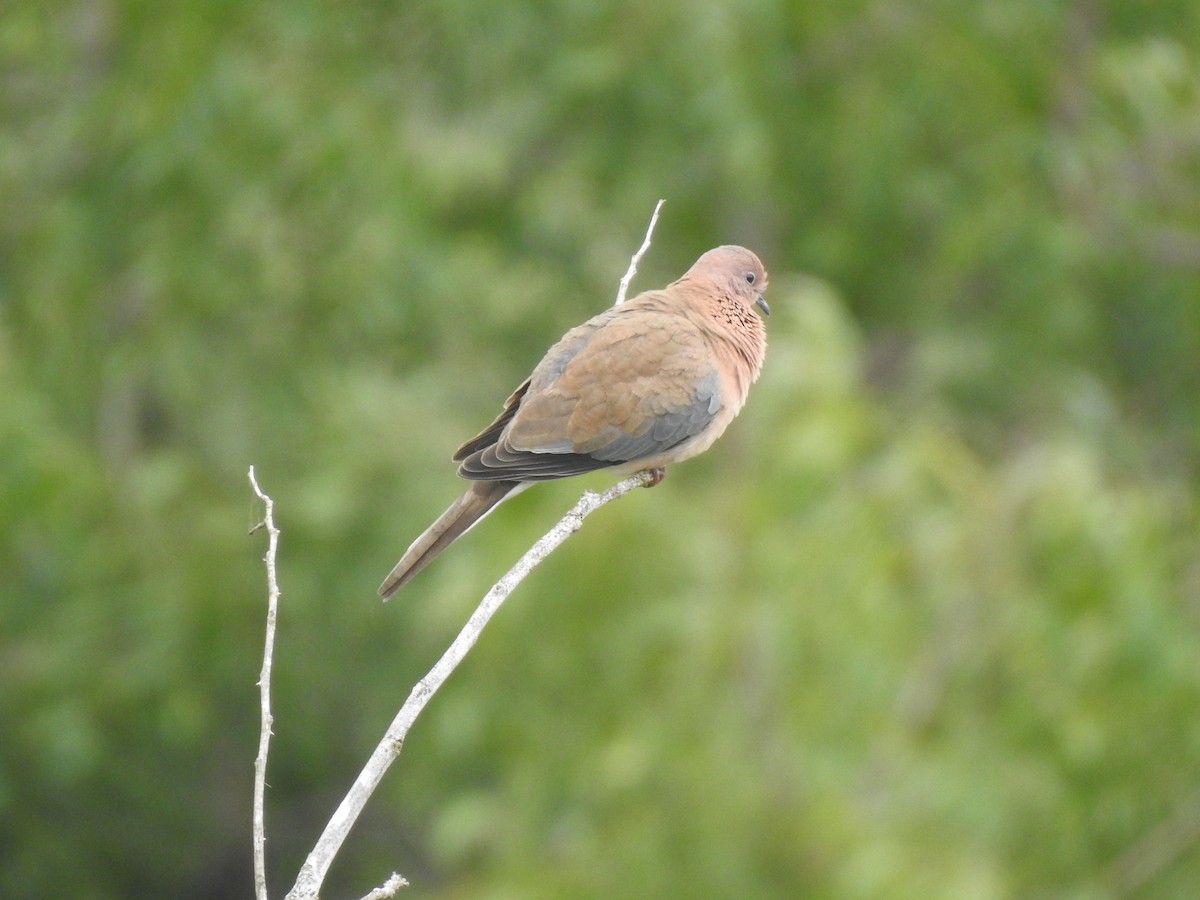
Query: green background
[{"x": 924, "y": 624}]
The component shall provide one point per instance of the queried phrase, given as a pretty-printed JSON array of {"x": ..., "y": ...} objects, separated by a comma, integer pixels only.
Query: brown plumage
[{"x": 653, "y": 381}]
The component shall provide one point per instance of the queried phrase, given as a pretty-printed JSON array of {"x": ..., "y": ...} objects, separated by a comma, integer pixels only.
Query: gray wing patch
[
  {"x": 500, "y": 461},
  {"x": 493, "y": 464},
  {"x": 665, "y": 430}
]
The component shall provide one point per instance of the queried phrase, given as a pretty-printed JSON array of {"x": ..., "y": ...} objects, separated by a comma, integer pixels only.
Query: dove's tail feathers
[{"x": 480, "y": 499}]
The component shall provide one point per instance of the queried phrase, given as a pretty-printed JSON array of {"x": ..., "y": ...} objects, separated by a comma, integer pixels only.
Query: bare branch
[
  {"x": 316, "y": 866},
  {"x": 623, "y": 288},
  {"x": 312, "y": 873},
  {"x": 388, "y": 888},
  {"x": 264, "y": 689}
]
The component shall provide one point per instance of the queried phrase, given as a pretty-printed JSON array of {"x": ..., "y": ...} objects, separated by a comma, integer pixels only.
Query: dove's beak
[{"x": 761, "y": 303}]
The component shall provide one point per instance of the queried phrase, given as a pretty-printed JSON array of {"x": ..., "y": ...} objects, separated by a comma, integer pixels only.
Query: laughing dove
[{"x": 652, "y": 381}]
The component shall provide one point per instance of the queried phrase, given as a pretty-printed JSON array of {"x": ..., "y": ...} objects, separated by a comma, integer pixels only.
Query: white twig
[
  {"x": 388, "y": 888},
  {"x": 316, "y": 866},
  {"x": 312, "y": 873},
  {"x": 264, "y": 689},
  {"x": 637, "y": 257}
]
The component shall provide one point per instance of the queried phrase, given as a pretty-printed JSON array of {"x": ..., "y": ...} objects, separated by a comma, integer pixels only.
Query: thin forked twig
[{"x": 316, "y": 866}]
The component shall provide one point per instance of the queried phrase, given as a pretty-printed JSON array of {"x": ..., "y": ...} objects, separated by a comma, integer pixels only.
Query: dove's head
[{"x": 734, "y": 271}]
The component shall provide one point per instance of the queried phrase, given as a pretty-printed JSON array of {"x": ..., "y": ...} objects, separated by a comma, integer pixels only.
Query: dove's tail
[{"x": 480, "y": 499}]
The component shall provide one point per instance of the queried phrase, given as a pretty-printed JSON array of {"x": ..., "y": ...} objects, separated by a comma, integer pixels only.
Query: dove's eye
[{"x": 749, "y": 278}]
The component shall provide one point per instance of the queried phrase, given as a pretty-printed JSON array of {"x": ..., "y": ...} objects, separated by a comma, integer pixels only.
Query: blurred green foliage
[{"x": 925, "y": 623}]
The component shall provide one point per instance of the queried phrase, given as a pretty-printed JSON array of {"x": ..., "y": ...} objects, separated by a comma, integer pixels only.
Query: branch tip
[{"x": 623, "y": 288}]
